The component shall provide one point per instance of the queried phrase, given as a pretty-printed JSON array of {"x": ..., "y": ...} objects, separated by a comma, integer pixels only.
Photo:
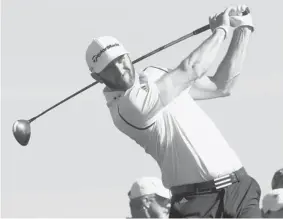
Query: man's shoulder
[
  {"x": 152, "y": 73},
  {"x": 155, "y": 68}
]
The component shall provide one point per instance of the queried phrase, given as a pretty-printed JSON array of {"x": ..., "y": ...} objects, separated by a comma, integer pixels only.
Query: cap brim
[
  {"x": 109, "y": 57},
  {"x": 164, "y": 193}
]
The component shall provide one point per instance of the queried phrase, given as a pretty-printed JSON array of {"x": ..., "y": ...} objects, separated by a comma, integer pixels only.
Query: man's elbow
[
  {"x": 224, "y": 89},
  {"x": 225, "y": 93}
]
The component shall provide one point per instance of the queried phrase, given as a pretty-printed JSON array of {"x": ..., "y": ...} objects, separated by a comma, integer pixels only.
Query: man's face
[
  {"x": 159, "y": 207},
  {"x": 119, "y": 74}
]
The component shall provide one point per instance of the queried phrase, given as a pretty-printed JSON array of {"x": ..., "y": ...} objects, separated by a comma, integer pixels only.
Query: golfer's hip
[{"x": 210, "y": 186}]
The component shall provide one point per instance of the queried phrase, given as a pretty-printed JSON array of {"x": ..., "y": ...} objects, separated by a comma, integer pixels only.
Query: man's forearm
[
  {"x": 202, "y": 57},
  {"x": 232, "y": 63}
]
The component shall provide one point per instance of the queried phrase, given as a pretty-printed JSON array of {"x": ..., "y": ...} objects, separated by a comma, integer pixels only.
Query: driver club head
[{"x": 21, "y": 131}]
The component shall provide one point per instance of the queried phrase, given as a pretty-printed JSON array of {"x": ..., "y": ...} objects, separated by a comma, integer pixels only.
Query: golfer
[
  {"x": 205, "y": 176},
  {"x": 149, "y": 198}
]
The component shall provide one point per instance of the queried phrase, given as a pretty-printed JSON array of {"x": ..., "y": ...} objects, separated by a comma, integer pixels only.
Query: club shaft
[
  {"x": 200, "y": 30},
  {"x": 62, "y": 101},
  {"x": 195, "y": 32}
]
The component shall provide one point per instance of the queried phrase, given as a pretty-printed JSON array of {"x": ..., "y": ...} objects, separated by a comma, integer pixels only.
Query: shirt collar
[{"x": 111, "y": 95}]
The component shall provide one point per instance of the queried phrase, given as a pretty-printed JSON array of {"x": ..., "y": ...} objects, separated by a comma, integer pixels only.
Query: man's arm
[
  {"x": 190, "y": 69},
  {"x": 141, "y": 104},
  {"x": 222, "y": 82},
  {"x": 197, "y": 63},
  {"x": 230, "y": 67}
]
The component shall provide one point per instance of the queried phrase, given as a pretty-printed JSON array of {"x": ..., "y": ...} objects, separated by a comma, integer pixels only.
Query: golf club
[{"x": 21, "y": 128}]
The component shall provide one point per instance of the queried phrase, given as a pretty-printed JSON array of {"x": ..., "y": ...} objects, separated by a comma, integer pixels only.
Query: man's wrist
[
  {"x": 245, "y": 29},
  {"x": 221, "y": 31}
]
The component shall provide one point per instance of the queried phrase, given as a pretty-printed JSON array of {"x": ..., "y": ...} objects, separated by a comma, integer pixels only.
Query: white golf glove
[
  {"x": 220, "y": 21},
  {"x": 238, "y": 20}
]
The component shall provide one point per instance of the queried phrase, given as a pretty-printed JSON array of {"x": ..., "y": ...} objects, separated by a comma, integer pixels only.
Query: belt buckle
[{"x": 223, "y": 181}]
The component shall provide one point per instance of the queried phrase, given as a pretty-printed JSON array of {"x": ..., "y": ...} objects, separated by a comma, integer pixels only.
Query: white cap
[
  {"x": 102, "y": 51},
  {"x": 273, "y": 201},
  {"x": 148, "y": 185}
]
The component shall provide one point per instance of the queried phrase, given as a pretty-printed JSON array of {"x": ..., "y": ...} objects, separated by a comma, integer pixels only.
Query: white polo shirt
[{"x": 184, "y": 141}]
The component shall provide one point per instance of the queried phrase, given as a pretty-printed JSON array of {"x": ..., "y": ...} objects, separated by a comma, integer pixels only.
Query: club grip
[
  {"x": 202, "y": 29},
  {"x": 207, "y": 27}
]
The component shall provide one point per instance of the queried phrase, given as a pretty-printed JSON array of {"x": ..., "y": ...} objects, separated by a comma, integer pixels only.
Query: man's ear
[
  {"x": 96, "y": 77},
  {"x": 146, "y": 202}
]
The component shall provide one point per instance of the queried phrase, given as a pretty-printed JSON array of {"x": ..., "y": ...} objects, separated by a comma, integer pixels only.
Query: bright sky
[{"x": 77, "y": 164}]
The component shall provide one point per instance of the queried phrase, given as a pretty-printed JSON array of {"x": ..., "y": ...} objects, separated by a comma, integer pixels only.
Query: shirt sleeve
[
  {"x": 152, "y": 74},
  {"x": 141, "y": 105}
]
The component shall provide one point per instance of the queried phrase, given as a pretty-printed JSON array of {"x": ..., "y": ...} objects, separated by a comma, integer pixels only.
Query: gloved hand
[
  {"x": 238, "y": 20},
  {"x": 221, "y": 20}
]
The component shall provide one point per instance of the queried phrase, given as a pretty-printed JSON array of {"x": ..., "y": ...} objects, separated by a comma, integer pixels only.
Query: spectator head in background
[
  {"x": 272, "y": 204},
  {"x": 149, "y": 198},
  {"x": 277, "y": 180}
]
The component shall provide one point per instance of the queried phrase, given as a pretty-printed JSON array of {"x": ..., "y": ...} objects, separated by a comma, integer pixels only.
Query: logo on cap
[{"x": 95, "y": 57}]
